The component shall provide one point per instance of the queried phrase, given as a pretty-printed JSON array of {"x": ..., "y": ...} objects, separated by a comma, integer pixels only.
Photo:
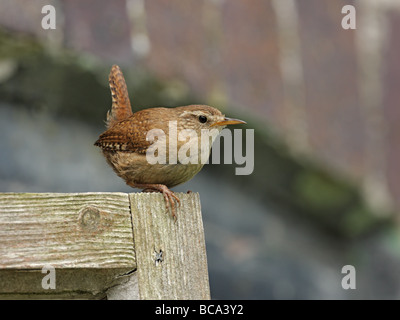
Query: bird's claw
[{"x": 169, "y": 197}]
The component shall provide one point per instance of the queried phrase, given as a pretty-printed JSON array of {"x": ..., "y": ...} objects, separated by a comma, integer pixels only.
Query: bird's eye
[{"x": 203, "y": 119}]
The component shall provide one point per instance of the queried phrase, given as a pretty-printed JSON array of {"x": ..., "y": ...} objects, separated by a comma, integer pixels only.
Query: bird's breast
[{"x": 135, "y": 168}]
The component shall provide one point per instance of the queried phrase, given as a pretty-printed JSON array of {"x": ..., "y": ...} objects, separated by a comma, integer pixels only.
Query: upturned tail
[{"x": 121, "y": 106}]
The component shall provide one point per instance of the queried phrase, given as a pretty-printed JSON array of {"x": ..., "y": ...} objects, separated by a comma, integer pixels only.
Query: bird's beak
[{"x": 227, "y": 121}]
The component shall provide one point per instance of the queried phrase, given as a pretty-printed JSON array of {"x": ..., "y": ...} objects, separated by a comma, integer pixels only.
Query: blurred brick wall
[{"x": 330, "y": 93}]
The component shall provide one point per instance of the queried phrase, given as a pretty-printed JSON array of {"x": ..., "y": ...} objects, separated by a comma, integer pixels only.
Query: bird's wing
[{"x": 117, "y": 139}]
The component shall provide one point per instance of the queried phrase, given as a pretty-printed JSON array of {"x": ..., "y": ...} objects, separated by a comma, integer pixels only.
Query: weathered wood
[
  {"x": 127, "y": 290},
  {"x": 101, "y": 245},
  {"x": 170, "y": 256},
  {"x": 86, "y": 237}
]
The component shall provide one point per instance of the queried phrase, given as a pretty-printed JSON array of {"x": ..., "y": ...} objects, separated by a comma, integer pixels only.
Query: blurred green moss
[
  {"x": 65, "y": 84},
  {"x": 321, "y": 191},
  {"x": 18, "y": 46}
]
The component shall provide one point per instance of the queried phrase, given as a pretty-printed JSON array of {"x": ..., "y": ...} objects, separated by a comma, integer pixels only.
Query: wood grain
[
  {"x": 102, "y": 244},
  {"x": 180, "y": 272},
  {"x": 86, "y": 237}
]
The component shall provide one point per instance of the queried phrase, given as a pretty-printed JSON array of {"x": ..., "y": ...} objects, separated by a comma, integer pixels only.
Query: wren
[{"x": 125, "y": 142}]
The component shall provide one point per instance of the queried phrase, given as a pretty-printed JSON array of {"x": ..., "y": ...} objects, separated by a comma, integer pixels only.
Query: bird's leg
[{"x": 169, "y": 196}]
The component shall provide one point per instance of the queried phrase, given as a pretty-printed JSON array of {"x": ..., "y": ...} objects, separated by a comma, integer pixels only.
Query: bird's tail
[{"x": 121, "y": 106}]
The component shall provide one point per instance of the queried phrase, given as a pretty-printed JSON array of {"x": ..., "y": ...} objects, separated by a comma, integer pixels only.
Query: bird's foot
[{"x": 171, "y": 200}]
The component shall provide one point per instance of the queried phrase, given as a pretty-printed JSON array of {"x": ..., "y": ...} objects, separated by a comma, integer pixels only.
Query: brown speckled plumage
[{"x": 124, "y": 143}]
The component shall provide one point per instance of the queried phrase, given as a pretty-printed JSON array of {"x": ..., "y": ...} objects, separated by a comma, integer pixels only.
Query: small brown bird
[{"x": 126, "y": 144}]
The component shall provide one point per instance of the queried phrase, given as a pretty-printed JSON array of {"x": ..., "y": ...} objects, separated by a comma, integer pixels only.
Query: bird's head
[{"x": 198, "y": 117}]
